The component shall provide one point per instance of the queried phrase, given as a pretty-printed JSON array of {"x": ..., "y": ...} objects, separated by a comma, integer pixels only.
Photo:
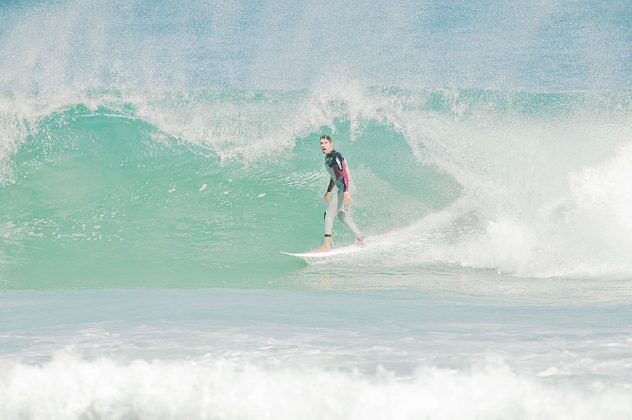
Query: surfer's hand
[
  {"x": 326, "y": 198},
  {"x": 347, "y": 198}
]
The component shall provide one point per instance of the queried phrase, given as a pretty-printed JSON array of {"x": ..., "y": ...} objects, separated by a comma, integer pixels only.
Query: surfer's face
[{"x": 326, "y": 146}]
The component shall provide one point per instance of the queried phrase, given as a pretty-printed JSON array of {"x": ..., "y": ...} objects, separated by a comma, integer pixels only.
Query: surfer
[{"x": 338, "y": 203}]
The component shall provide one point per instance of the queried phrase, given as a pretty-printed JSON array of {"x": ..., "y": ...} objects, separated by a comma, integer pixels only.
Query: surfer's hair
[{"x": 326, "y": 137}]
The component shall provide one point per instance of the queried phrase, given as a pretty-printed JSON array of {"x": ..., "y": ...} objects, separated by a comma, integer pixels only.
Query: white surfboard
[{"x": 316, "y": 256}]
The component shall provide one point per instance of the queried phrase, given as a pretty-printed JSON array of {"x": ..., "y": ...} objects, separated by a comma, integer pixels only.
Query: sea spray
[{"x": 123, "y": 174}]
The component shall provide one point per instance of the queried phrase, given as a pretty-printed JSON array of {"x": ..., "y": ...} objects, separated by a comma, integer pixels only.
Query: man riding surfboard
[{"x": 338, "y": 203}]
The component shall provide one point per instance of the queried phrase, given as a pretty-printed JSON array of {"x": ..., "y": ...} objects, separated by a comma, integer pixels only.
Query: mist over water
[{"x": 537, "y": 45}]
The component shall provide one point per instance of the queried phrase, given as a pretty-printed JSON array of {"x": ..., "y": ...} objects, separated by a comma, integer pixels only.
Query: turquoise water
[
  {"x": 155, "y": 159},
  {"x": 204, "y": 189}
]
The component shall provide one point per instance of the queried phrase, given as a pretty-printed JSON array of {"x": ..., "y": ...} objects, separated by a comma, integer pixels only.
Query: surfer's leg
[
  {"x": 344, "y": 214},
  {"x": 330, "y": 214},
  {"x": 345, "y": 217}
]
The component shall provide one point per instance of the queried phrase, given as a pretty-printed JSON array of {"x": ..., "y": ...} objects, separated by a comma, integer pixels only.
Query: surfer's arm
[
  {"x": 345, "y": 176},
  {"x": 329, "y": 188},
  {"x": 331, "y": 185}
]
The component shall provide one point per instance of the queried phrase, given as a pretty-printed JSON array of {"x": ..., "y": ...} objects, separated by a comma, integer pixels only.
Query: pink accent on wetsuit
[{"x": 337, "y": 169}]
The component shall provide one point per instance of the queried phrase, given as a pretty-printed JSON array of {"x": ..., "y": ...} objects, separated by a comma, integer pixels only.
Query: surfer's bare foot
[
  {"x": 360, "y": 241},
  {"x": 326, "y": 245}
]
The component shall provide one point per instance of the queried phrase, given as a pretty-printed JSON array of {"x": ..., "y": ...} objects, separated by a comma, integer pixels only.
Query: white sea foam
[{"x": 71, "y": 387}]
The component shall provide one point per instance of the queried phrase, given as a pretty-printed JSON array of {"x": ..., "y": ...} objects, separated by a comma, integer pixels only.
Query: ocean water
[{"x": 156, "y": 158}]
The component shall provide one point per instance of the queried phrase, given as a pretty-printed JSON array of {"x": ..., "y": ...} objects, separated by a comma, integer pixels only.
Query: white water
[
  {"x": 72, "y": 387},
  {"x": 201, "y": 354}
]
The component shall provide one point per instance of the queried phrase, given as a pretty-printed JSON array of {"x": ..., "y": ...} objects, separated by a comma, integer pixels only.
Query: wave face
[
  {"x": 144, "y": 144},
  {"x": 144, "y": 188}
]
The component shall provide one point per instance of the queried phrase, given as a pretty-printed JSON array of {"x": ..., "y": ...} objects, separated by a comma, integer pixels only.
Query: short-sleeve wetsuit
[{"x": 339, "y": 177}]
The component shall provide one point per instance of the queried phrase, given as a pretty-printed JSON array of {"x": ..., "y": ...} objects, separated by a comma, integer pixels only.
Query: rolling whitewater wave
[
  {"x": 147, "y": 186},
  {"x": 107, "y": 388}
]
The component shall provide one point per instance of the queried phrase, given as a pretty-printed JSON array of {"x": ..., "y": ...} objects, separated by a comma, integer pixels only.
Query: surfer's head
[{"x": 326, "y": 144}]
